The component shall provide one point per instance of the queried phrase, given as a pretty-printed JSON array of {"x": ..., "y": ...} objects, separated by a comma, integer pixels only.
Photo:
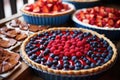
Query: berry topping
[{"x": 69, "y": 50}]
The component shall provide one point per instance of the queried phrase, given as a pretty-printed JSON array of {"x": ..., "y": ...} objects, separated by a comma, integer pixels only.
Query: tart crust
[
  {"x": 90, "y": 71},
  {"x": 71, "y": 10}
]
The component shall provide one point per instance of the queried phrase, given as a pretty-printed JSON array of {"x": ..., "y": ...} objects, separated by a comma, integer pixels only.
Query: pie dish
[
  {"x": 47, "y": 12},
  {"x": 68, "y": 53},
  {"x": 83, "y": 3},
  {"x": 102, "y": 19}
]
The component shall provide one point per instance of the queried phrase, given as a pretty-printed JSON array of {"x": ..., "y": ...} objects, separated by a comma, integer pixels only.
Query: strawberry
[
  {"x": 55, "y": 8},
  {"x": 29, "y": 7},
  {"x": 36, "y": 10},
  {"x": 45, "y": 9}
]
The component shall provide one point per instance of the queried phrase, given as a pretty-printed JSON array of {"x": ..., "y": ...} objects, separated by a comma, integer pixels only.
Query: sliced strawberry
[
  {"x": 45, "y": 9},
  {"x": 36, "y": 10},
  {"x": 55, "y": 8}
]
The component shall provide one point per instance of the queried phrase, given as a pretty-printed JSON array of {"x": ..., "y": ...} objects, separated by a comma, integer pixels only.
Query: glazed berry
[
  {"x": 98, "y": 62},
  {"x": 49, "y": 63},
  {"x": 53, "y": 67},
  {"x": 77, "y": 68},
  {"x": 74, "y": 58},
  {"x": 59, "y": 66},
  {"x": 52, "y": 55},
  {"x": 86, "y": 66},
  {"x": 37, "y": 60},
  {"x": 71, "y": 67},
  {"x": 92, "y": 65},
  {"x": 56, "y": 58},
  {"x": 77, "y": 64},
  {"x": 40, "y": 35},
  {"x": 55, "y": 62},
  {"x": 33, "y": 56},
  {"x": 66, "y": 65},
  {"x": 46, "y": 52},
  {"x": 29, "y": 53},
  {"x": 65, "y": 58},
  {"x": 66, "y": 62},
  {"x": 42, "y": 47},
  {"x": 43, "y": 59}
]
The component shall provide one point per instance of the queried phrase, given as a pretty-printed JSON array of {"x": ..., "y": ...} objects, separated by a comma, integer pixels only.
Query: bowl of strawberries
[
  {"x": 47, "y": 12},
  {"x": 104, "y": 20}
]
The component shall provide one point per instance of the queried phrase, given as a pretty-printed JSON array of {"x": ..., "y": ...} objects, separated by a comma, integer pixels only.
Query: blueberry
[
  {"x": 74, "y": 58},
  {"x": 75, "y": 31},
  {"x": 33, "y": 56},
  {"x": 94, "y": 37},
  {"x": 29, "y": 53},
  {"x": 49, "y": 63},
  {"x": 58, "y": 31},
  {"x": 42, "y": 47},
  {"x": 43, "y": 39},
  {"x": 74, "y": 35},
  {"x": 92, "y": 65},
  {"x": 66, "y": 66},
  {"x": 55, "y": 62},
  {"x": 77, "y": 68},
  {"x": 53, "y": 67},
  {"x": 98, "y": 55},
  {"x": 46, "y": 52},
  {"x": 86, "y": 34},
  {"x": 103, "y": 55},
  {"x": 56, "y": 57},
  {"x": 59, "y": 66},
  {"x": 66, "y": 62},
  {"x": 95, "y": 49},
  {"x": 32, "y": 47},
  {"x": 106, "y": 60},
  {"x": 40, "y": 35},
  {"x": 37, "y": 60},
  {"x": 86, "y": 66},
  {"x": 92, "y": 55},
  {"x": 43, "y": 59},
  {"x": 67, "y": 34},
  {"x": 71, "y": 67},
  {"x": 28, "y": 45},
  {"x": 77, "y": 64},
  {"x": 39, "y": 57},
  {"x": 46, "y": 43},
  {"x": 52, "y": 55},
  {"x": 98, "y": 63},
  {"x": 60, "y": 34},
  {"x": 101, "y": 39},
  {"x": 110, "y": 52},
  {"x": 84, "y": 58},
  {"x": 89, "y": 53},
  {"x": 76, "y": 61},
  {"x": 88, "y": 62},
  {"x": 27, "y": 50},
  {"x": 65, "y": 58},
  {"x": 95, "y": 58},
  {"x": 35, "y": 50}
]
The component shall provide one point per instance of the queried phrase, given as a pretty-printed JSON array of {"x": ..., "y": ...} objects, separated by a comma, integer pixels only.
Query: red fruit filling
[{"x": 100, "y": 16}]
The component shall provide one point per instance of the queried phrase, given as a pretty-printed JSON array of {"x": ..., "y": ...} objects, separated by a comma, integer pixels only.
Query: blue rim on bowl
[
  {"x": 111, "y": 33},
  {"x": 48, "y": 18}
]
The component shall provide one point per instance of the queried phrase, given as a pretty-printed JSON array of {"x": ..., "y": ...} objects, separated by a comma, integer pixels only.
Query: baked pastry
[
  {"x": 21, "y": 36},
  {"x": 68, "y": 51},
  {"x": 8, "y": 60},
  {"x": 7, "y": 43},
  {"x": 83, "y": 3},
  {"x": 47, "y": 12},
  {"x": 36, "y": 28},
  {"x": 105, "y": 20}
]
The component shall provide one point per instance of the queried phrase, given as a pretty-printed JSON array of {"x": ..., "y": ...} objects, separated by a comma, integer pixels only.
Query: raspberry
[
  {"x": 67, "y": 53},
  {"x": 57, "y": 52},
  {"x": 60, "y": 47},
  {"x": 52, "y": 49},
  {"x": 72, "y": 47},
  {"x": 38, "y": 53},
  {"x": 77, "y": 49},
  {"x": 58, "y": 37},
  {"x": 72, "y": 51},
  {"x": 79, "y": 43},
  {"x": 78, "y": 54}
]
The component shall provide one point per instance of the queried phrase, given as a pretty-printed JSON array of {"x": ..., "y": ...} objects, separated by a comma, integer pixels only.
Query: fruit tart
[
  {"x": 83, "y": 3},
  {"x": 68, "y": 53},
  {"x": 47, "y": 12},
  {"x": 102, "y": 19}
]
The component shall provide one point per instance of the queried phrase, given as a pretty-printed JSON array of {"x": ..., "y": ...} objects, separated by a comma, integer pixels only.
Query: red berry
[
  {"x": 56, "y": 52},
  {"x": 78, "y": 54},
  {"x": 58, "y": 37}
]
